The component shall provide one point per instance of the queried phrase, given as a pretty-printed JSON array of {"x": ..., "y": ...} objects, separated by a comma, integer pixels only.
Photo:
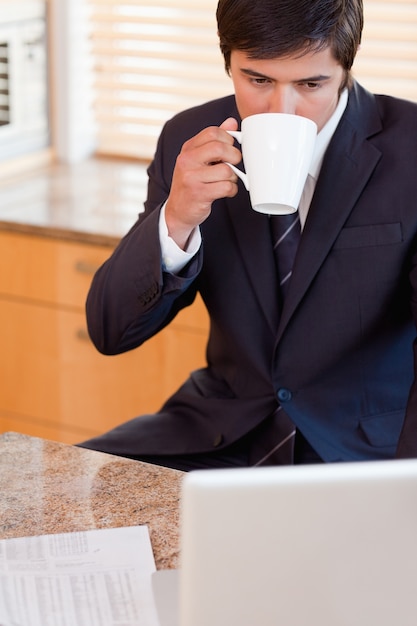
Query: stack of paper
[{"x": 92, "y": 578}]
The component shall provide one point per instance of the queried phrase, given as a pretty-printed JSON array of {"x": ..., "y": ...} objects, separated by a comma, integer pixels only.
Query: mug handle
[{"x": 237, "y": 134}]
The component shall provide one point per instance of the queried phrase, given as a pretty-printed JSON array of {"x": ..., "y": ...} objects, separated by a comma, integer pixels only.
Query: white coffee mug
[{"x": 277, "y": 150}]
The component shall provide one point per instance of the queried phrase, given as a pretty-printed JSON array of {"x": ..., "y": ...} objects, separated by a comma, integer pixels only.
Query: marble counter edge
[{"x": 61, "y": 233}]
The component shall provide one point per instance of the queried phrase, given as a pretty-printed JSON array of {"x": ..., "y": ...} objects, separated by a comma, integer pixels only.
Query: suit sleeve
[{"x": 131, "y": 298}]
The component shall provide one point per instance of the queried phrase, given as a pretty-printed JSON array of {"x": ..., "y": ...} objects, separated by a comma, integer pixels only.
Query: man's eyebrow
[{"x": 309, "y": 79}]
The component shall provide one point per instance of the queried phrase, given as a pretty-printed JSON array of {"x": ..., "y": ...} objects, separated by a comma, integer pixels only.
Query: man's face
[{"x": 308, "y": 85}]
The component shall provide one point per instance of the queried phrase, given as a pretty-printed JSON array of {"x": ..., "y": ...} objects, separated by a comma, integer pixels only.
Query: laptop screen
[{"x": 323, "y": 545}]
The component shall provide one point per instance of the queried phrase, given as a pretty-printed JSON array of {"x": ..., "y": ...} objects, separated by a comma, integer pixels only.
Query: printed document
[{"x": 95, "y": 578}]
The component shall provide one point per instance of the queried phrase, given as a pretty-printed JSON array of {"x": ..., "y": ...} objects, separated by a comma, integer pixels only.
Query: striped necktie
[
  {"x": 285, "y": 232},
  {"x": 275, "y": 440}
]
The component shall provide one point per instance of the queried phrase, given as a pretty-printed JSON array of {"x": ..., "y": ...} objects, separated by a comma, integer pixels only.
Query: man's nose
[{"x": 282, "y": 100}]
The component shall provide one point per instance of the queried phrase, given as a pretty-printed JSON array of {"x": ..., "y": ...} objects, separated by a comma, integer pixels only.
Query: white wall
[{"x": 73, "y": 123}]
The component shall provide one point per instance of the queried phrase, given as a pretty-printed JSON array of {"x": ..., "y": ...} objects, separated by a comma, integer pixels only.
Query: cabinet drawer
[
  {"x": 53, "y": 374},
  {"x": 58, "y": 272},
  {"x": 48, "y": 270}
]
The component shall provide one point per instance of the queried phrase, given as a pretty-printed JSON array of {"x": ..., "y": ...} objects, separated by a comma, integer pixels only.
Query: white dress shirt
[{"x": 174, "y": 258}]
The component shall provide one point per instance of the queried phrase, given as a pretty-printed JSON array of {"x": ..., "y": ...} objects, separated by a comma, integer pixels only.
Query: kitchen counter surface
[
  {"x": 49, "y": 487},
  {"x": 95, "y": 201}
]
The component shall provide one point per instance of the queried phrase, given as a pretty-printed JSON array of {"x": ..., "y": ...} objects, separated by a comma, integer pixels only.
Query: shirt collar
[{"x": 325, "y": 135}]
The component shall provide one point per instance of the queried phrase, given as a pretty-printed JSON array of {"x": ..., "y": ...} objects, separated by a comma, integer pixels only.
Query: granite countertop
[
  {"x": 93, "y": 201},
  {"x": 48, "y": 487}
]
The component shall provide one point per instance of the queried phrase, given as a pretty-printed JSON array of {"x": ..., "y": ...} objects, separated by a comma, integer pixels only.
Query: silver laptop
[{"x": 325, "y": 545}]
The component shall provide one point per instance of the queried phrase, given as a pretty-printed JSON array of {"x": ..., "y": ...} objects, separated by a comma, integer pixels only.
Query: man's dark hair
[{"x": 268, "y": 29}]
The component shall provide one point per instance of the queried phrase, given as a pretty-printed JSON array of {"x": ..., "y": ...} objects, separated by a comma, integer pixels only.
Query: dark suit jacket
[{"x": 339, "y": 358}]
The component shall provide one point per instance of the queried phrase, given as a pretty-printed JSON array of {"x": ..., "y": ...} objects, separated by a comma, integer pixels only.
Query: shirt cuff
[{"x": 173, "y": 257}]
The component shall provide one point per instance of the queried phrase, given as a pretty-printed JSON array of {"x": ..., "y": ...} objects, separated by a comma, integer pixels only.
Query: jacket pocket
[
  {"x": 383, "y": 430},
  {"x": 372, "y": 235}
]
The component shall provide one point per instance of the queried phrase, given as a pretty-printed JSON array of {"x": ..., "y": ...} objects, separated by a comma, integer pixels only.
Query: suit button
[{"x": 284, "y": 395}]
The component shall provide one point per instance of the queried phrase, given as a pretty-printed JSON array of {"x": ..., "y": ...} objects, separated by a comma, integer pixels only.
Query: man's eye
[{"x": 312, "y": 85}]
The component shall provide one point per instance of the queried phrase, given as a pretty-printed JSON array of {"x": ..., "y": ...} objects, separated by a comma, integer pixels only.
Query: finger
[
  {"x": 218, "y": 172},
  {"x": 229, "y": 124}
]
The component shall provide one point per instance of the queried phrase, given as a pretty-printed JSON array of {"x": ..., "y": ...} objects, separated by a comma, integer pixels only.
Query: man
[{"x": 327, "y": 374}]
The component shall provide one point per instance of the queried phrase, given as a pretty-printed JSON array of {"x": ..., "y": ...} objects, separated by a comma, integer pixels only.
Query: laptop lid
[{"x": 328, "y": 545}]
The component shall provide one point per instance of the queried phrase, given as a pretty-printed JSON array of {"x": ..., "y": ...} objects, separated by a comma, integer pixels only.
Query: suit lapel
[
  {"x": 347, "y": 167},
  {"x": 253, "y": 238}
]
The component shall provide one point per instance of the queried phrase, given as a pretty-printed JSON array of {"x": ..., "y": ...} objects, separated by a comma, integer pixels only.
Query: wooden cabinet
[{"x": 53, "y": 382}]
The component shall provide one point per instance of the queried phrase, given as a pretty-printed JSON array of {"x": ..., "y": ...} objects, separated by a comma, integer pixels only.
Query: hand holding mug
[{"x": 200, "y": 177}]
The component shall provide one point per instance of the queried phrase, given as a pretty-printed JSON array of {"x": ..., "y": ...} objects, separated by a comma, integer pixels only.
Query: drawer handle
[
  {"x": 82, "y": 334},
  {"x": 84, "y": 267}
]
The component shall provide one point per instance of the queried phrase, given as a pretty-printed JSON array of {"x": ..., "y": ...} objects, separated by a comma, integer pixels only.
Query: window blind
[
  {"x": 4, "y": 84},
  {"x": 153, "y": 58},
  {"x": 387, "y": 60}
]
